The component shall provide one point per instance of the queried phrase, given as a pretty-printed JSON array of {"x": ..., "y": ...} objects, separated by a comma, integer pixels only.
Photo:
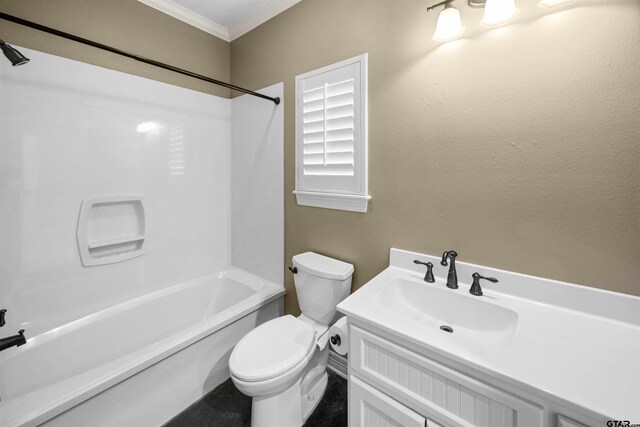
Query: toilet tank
[{"x": 321, "y": 283}]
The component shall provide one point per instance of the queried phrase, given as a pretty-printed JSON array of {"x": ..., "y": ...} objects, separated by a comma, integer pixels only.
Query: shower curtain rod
[{"x": 82, "y": 40}]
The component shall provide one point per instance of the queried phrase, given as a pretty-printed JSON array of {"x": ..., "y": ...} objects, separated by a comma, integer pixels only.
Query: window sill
[{"x": 342, "y": 202}]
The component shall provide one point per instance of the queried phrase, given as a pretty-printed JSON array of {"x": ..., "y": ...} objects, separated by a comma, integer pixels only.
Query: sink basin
[{"x": 435, "y": 307}]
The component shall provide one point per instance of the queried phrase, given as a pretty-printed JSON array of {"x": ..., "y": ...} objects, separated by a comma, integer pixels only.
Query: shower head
[{"x": 13, "y": 55}]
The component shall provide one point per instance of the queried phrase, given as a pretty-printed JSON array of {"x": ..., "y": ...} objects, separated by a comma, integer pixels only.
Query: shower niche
[{"x": 111, "y": 229}]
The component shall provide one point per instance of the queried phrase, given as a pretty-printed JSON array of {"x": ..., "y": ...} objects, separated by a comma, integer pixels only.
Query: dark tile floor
[{"x": 225, "y": 406}]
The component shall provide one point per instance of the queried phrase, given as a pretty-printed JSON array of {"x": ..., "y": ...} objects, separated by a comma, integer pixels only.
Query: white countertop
[{"x": 578, "y": 354}]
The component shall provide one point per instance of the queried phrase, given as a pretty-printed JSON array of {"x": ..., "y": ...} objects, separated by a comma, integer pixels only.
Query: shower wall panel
[
  {"x": 257, "y": 184},
  {"x": 69, "y": 132}
]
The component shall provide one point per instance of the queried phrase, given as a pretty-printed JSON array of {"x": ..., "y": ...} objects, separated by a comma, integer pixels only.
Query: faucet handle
[
  {"x": 491, "y": 279},
  {"x": 2, "y": 314},
  {"x": 475, "y": 286},
  {"x": 428, "y": 277}
]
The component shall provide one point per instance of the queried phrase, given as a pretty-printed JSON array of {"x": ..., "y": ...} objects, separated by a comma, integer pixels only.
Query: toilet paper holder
[
  {"x": 339, "y": 336},
  {"x": 335, "y": 340}
]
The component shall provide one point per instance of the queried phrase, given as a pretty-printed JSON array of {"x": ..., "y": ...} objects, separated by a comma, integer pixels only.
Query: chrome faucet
[
  {"x": 452, "y": 277},
  {"x": 475, "y": 286}
]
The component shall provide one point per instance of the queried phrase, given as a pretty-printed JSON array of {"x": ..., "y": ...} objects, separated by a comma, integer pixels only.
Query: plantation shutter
[{"x": 331, "y": 134}]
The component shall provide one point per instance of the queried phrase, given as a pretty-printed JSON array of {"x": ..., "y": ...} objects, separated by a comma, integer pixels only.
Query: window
[{"x": 331, "y": 136}]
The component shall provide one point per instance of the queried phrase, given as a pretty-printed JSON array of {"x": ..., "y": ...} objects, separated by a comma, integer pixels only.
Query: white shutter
[
  {"x": 328, "y": 130},
  {"x": 331, "y": 136}
]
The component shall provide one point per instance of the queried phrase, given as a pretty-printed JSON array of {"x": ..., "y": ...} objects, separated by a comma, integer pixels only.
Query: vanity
[{"x": 527, "y": 352}]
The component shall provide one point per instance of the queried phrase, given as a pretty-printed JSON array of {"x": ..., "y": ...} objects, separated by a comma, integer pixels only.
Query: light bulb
[
  {"x": 497, "y": 12},
  {"x": 549, "y": 4},
  {"x": 449, "y": 26}
]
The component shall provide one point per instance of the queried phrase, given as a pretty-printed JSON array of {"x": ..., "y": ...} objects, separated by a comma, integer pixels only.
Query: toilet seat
[{"x": 272, "y": 349}]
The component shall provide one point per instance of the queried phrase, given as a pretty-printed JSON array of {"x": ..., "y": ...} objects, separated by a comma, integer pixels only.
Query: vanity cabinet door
[
  {"x": 368, "y": 407},
  {"x": 567, "y": 422},
  {"x": 432, "y": 388}
]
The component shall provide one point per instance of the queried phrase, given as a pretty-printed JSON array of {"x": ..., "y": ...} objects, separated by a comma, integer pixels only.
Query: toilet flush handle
[{"x": 294, "y": 270}]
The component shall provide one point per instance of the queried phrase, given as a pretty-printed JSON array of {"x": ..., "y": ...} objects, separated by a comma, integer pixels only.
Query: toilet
[{"x": 282, "y": 364}]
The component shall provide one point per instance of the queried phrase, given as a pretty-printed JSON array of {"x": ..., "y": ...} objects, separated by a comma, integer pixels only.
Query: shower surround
[{"x": 159, "y": 158}]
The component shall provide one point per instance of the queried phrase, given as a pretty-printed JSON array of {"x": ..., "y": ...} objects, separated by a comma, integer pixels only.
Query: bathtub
[{"x": 138, "y": 363}]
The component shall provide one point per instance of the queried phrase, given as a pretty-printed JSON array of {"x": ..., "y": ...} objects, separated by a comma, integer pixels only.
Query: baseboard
[{"x": 337, "y": 364}]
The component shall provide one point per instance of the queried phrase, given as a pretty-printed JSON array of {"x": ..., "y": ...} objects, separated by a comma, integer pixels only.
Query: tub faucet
[
  {"x": 452, "y": 277},
  {"x": 14, "y": 340},
  {"x": 475, "y": 286}
]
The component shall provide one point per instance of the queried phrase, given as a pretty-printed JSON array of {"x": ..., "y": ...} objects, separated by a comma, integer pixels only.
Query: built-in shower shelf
[
  {"x": 114, "y": 242},
  {"x": 111, "y": 229}
]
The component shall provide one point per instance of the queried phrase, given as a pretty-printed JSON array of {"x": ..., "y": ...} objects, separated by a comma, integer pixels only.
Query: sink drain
[{"x": 447, "y": 328}]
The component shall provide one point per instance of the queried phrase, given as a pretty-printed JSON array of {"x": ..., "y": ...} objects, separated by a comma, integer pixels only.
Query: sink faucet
[
  {"x": 14, "y": 340},
  {"x": 452, "y": 277},
  {"x": 475, "y": 286}
]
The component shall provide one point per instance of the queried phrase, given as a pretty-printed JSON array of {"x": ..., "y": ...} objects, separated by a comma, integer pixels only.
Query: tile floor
[{"x": 225, "y": 406}]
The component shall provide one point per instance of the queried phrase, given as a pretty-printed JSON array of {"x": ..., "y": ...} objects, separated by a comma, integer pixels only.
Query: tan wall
[
  {"x": 517, "y": 147},
  {"x": 124, "y": 24}
]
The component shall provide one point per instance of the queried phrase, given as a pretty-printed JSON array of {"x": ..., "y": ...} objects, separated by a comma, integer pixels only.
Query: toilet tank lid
[{"x": 323, "y": 266}]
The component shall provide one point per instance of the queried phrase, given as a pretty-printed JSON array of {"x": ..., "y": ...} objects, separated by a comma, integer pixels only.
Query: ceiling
[{"x": 227, "y": 19}]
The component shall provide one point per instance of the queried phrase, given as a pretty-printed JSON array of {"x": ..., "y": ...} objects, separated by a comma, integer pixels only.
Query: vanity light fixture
[
  {"x": 549, "y": 4},
  {"x": 449, "y": 26},
  {"x": 498, "y": 12}
]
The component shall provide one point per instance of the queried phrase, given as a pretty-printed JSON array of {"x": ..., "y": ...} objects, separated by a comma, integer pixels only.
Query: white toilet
[{"x": 282, "y": 363}]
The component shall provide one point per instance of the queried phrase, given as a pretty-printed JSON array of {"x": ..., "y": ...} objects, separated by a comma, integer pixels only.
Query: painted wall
[
  {"x": 518, "y": 147},
  {"x": 257, "y": 184},
  {"x": 71, "y": 131},
  {"x": 124, "y": 24}
]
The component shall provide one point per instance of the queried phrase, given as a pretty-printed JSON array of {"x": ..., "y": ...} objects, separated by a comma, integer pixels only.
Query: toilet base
[
  {"x": 311, "y": 399},
  {"x": 281, "y": 409},
  {"x": 288, "y": 408}
]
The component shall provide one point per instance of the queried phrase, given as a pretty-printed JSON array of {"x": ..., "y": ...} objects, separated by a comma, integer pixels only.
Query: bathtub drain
[{"x": 447, "y": 328}]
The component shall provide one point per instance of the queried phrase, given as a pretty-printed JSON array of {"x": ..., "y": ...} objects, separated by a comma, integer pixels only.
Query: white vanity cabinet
[
  {"x": 369, "y": 407},
  {"x": 392, "y": 383},
  {"x": 567, "y": 422}
]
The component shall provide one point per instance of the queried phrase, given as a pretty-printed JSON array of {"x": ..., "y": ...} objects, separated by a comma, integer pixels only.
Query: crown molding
[
  {"x": 191, "y": 18},
  {"x": 255, "y": 18},
  {"x": 260, "y": 16}
]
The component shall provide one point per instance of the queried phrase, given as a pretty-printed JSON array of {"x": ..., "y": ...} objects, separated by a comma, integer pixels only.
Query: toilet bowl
[{"x": 282, "y": 363}]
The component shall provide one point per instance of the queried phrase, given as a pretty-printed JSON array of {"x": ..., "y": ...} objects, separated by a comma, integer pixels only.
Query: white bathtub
[{"x": 137, "y": 363}]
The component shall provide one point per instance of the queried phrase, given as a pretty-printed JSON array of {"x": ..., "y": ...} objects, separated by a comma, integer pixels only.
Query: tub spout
[{"x": 14, "y": 340}]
